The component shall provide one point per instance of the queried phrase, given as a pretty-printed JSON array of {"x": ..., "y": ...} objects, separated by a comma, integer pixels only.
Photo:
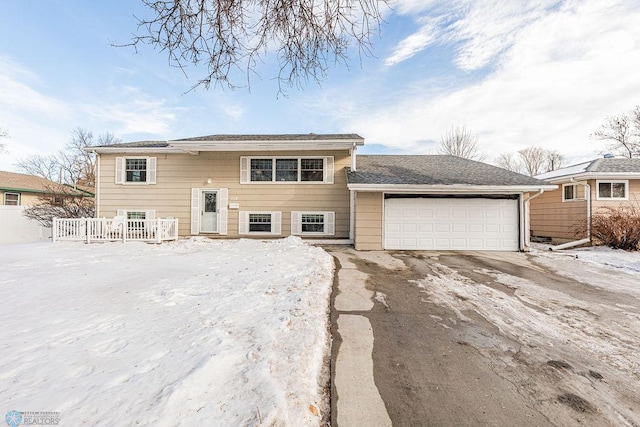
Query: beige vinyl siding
[
  {"x": 566, "y": 221},
  {"x": 178, "y": 173},
  {"x": 558, "y": 220},
  {"x": 368, "y": 221}
]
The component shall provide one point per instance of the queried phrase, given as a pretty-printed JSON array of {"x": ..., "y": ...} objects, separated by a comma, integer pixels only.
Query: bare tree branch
[
  {"x": 45, "y": 166},
  {"x": 533, "y": 159},
  {"x": 509, "y": 162},
  {"x": 231, "y": 36},
  {"x": 60, "y": 202},
  {"x": 553, "y": 161},
  {"x": 72, "y": 165},
  {"x": 623, "y": 132},
  {"x": 3, "y": 134},
  {"x": 462, "y": 143}
]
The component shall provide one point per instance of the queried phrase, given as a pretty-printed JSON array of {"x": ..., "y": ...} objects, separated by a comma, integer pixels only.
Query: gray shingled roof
[
  {"x": 433, "y": 170},
  {"x": 240, "y": 138},
  {"x": 614, "y": 165},
  {"x": 138, "y": 144},
  {"x": 276, "y": 137}
]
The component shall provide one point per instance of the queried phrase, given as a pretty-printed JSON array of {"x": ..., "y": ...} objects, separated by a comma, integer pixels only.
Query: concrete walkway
[{"x": 355, "y": 397}]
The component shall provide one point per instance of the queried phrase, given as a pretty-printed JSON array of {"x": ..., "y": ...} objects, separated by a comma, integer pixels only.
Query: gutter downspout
[
  {"x": 525, "y": 242},
  {"x": 97, "y": 184},
  {"x": 352, "y": 198},
  {"x": 587, "y": 189},
  {"x": 353, "y": 157}
]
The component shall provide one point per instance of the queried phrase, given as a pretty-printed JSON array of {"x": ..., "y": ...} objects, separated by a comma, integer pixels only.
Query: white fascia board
[
  {"x": 265, "y": 145},
  {"x": 594, "y": 175},
  {"x": 125, "y": 150},
  {"x": 450, "y": 189}
]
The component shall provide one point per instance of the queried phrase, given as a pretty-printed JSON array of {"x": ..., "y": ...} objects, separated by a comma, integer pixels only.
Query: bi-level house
[{"x": 317, "y": 187}]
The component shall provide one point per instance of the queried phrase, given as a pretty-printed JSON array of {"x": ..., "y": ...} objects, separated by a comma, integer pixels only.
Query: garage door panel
[{"x": 444, "y": 224}]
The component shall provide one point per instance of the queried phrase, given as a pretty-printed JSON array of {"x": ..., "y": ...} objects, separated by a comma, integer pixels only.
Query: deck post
[{"x": 54, "y": 231}]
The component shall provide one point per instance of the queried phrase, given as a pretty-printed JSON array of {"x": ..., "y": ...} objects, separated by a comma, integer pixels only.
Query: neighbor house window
[
  {"x": 135, "y": 170},
  {"x": 286, "y": 169},
  {"x": 259, "y": 223},
  {"x": 573, "y": 192},
  {"x": 612, "y": 190},
  {"x": 319, "y": 223},
  {"x": 12, "y": 199}
]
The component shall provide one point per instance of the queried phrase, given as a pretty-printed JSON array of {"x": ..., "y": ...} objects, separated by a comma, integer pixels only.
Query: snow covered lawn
[{"x": 196, "y": 332}]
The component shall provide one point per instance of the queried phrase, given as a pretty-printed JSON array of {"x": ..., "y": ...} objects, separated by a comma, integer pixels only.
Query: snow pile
[
  {"x": 616, "y": 259},
  {"x": 195, "y": 332}
]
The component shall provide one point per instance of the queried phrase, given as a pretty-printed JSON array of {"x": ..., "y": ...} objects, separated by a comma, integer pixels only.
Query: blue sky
[{"x": 516, "y": 72}]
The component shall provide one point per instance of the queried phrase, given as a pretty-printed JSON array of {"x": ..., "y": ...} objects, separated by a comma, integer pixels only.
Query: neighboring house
[
  {"x": 314, "y": 186},
  {"x": 18, "y": 189},
  {"x": 563, "y": 215}
]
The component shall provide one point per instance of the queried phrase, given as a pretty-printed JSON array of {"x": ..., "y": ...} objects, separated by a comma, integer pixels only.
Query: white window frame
[
  {"x": 329, "y": 221},
  {"x": 4, "y": 198},
  {"x": 612, "y": 181},
  {"x": 121, "y": 170},
  {"x": 327, "y": 170},
  {"x": 276, "y": 223},
  {"x": 148, "y": 213},
  {"x": 575, "y": 193}
]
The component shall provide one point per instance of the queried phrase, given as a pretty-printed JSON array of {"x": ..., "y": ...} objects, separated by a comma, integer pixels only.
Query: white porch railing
[{"x": 115, "y": 229}]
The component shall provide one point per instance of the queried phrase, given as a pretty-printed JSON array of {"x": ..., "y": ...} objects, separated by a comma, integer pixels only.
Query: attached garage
[
  {"x": 439, "y": 202},
  {"x": 451, "y": 223}
]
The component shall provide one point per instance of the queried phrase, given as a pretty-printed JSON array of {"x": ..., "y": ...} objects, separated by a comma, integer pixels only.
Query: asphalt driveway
[{"x": 467, "y": 339}]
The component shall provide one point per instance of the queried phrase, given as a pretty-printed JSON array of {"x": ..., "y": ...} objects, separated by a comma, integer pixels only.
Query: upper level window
[
  {"x": 261, "y": 170},
  {"x": 311, "y": 169},
  {"x": 573, "y": 192},
  {"x": 612, "y": 190},
  {"x": 135, "y": 170},
  {"x": 12, "y": 199},
  {"x": 286, "y": 169}
]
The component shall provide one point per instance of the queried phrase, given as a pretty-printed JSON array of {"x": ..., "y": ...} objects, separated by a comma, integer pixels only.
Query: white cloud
[
  {"x": 29, "y": 115},
  {"x": 40, "y": 123},
  {"x": 413, "y": 44},
  {"x": 560, "y": 76},
  {"x": 481, "y": 30},
  {"x": 133, "y": 112}
]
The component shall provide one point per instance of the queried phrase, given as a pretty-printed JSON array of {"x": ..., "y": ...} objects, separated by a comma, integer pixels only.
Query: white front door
[{"x": 209, "y": 211}]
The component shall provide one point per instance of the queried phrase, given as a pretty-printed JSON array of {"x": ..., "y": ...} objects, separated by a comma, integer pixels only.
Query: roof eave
[
  {"x": 451, "y": 189},
  {"x": 310, "y": 145},
  {"x": 594, "y": 175},
  {"x": 143, "y": 150}
]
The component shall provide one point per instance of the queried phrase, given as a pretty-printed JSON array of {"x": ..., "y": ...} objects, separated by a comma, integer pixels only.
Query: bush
[
  {"x": 60, "y": 202},
  {"x": 618, "y": 227}
]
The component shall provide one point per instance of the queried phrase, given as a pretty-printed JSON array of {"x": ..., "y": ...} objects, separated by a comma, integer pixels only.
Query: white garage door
[{"x": 451, "y": 224}]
